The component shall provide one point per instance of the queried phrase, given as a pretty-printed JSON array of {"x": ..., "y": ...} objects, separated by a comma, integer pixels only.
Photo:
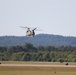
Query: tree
[
  {"x": 61, "y": 60},
  {"x": 1, "y": 56},
  {"x": 33, "y": 56},
  {"x": 47, "y": 57},
  {"x": 17, "y": 56},
  {"x": 39, "y": 56},
  {"x": 40, "y": 48},
  {"x": 26, "y": 57},
  {"x": 11, "y": 49},
  {"x": 2, "y": 49},
  {"x": 6, "y": 56},
  {"x": 29, "y": 47}
]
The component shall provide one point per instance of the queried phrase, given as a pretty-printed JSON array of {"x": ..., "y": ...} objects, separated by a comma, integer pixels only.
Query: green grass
[{"x": 48, "y": 63}]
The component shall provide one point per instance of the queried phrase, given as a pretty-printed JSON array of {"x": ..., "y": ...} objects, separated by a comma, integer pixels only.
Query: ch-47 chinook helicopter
[{"x": 30, "y": 31}]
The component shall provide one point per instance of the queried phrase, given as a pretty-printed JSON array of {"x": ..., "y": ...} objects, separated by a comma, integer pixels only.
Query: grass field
[
  {"x": 22, "y": 62},
  {"x": 36, "y": 70}
]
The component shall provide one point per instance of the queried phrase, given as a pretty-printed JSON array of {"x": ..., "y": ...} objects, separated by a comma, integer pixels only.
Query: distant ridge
[{"x": 38, "y": 40}]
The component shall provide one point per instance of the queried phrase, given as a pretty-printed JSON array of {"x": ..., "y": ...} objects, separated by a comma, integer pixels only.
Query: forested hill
[{"x": 38, "y": 40}]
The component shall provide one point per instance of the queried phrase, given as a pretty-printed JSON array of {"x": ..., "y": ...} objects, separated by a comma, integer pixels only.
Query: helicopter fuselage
[{"x": 30, "y": 33}]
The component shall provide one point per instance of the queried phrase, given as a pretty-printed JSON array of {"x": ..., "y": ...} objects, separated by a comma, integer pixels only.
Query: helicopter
[{"x": 29, "y": 32}]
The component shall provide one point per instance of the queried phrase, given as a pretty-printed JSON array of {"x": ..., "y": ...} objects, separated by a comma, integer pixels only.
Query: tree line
[{"x": 28, "y": 52}]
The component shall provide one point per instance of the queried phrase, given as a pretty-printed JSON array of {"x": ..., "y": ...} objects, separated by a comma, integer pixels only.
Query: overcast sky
[{"x": 56, "y": 17}]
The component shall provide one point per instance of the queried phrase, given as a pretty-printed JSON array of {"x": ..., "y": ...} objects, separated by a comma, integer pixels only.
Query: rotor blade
[
  {"x": 38, "y": 30},
  {"x": 34, "y": 28},
  {"x": 23, "y": 27}
]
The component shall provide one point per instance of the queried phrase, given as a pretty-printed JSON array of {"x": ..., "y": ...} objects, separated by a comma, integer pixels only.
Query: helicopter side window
[{"x": 27, "y": 31}]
